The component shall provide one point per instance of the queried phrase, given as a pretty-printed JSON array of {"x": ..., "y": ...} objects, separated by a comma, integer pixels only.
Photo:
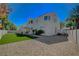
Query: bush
[{"x": 39, "y": 32}]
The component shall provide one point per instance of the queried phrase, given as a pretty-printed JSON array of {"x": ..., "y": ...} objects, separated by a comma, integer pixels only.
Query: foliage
[
  {"x": 6, "y": 24},
  {"x": 12, "y": 26},
  {"x": 69, "y": 24},
  {"x": 4, "y": 14},
  {"x": 39, "y": 32},
  {"x": 73, "y": 18},
  {"x": 30, "y": 21},
  {"x": 75, "y": 13}
]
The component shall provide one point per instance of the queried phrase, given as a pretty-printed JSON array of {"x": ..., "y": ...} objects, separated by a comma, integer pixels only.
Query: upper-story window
[{"x": 46, "y": 17}]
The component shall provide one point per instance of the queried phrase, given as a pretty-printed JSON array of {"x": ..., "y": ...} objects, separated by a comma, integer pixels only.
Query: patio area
[{"x": 37, "y": 48}]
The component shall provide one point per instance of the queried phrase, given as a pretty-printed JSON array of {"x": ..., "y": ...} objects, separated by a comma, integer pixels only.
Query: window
[{"x": 46, "y": 17}]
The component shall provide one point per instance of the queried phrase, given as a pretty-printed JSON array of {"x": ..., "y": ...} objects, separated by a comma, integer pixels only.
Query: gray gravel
[
  {"x": 37, "y": 48},
  {"x": 52, "y": 39}
]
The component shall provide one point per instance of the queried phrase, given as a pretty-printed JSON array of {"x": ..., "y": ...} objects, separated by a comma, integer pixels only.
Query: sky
[{"x": 21, "y": 12}]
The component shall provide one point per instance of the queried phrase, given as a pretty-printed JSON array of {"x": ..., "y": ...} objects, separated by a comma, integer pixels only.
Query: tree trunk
[{"x": 2, "y": 24}]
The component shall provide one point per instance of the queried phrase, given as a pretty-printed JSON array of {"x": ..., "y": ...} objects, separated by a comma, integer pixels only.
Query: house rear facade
[{"x": 49, "y": 23}]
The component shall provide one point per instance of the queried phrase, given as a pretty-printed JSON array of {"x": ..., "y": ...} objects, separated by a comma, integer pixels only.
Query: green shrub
[{"x": 39, "y": 32}]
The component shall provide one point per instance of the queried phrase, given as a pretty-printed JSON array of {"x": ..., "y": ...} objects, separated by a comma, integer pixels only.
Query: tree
[
  {"x": 4, "y": 11},
  {"x": 11, "y": 26},
  {"x": 74, "y": 17},
  {"x": 30, "y": 21},
  {"x": 69, "y": 24},
  {"x": 61, "y": 25}
]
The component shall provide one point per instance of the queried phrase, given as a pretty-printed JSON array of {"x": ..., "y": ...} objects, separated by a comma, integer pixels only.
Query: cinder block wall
[
  {"x": 2, "y": 32},
  {"x": 73, "y": 36}
]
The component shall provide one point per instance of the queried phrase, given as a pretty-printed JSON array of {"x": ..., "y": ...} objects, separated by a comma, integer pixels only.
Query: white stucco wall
[{"x": 50, "y": 26}]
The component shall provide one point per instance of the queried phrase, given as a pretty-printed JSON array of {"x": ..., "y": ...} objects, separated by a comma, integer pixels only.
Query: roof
[{"x": 50, "y": 13}]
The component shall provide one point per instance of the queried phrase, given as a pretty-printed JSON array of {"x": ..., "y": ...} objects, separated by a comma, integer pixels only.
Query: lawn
[{"x": 9, "y": 38}]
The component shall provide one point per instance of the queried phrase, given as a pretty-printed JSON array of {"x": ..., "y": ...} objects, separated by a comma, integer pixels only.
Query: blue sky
[{"x": 21, "y": 12}]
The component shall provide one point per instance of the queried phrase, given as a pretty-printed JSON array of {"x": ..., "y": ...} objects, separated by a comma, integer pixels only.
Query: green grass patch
[{"x": 9, "y": 38}]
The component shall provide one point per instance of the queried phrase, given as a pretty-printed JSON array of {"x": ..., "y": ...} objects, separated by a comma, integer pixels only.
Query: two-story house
[{"x": 49, "y": 23}]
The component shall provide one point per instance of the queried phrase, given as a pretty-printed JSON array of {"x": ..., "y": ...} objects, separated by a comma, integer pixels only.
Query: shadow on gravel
[
  {"x": 52, "y": 39},
  {"x": 30, "y": 36}
]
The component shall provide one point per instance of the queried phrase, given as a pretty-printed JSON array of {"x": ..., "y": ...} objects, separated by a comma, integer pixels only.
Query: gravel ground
[
  {"x": 37, "y": 48},
  {"x": 52, "y": 39},
  {"x": 33, "y": 47}
]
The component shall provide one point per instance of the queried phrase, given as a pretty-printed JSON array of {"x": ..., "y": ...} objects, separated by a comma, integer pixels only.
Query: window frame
[{"x": 47, "y": 18}]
